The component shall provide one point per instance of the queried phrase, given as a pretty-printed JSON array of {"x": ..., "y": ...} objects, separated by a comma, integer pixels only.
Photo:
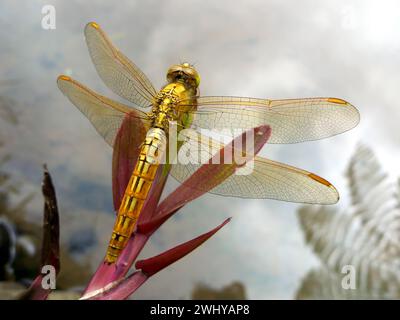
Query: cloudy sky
[{"x": 266, "y": 49}]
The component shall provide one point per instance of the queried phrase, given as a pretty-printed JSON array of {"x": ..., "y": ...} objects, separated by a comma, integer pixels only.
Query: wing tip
[
  {"x": 327, "y": 184},
  {"x": 320, "y": 179},
  {"x": 349, "y": 106},
  {"x": 335, "y": 199},
  {"x": 63, "y": 77},
  {"x": 92, "y": 24},
  {"x": 338, "y": 101}
]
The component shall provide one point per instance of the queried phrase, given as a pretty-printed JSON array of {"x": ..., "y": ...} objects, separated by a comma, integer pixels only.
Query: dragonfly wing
[
  {"x": 274, "y": 180},
  {"x": 291, "y": 120},
  {"x": 119, "y": 73},
  {"x": 259, "y": 179},
  {"x": 105, "y": 114}
]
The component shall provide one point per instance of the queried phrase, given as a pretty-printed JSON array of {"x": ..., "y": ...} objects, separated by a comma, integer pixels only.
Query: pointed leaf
[
  {"x": 118, "y": 291},
  {"x": 35, "y": 291},
  {"x": 106, "y": 274},
  {"x": 50, "y": 242},
  {"x": 153, "y": 265},
  {"x": 51, "y": 224},
  {"x": 123, "y": 289}
]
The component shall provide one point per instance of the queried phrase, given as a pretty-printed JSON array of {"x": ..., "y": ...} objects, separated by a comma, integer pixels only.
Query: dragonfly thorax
[
  {"x": 166, "y": 107},
  {"x": 165, "y": 112}
]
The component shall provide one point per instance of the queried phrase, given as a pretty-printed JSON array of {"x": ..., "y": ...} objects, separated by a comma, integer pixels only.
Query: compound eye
[{"x": 179, "y": 75}]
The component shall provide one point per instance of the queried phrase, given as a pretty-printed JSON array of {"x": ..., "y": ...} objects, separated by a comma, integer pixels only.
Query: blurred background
[{"x": 265, "y": 49}]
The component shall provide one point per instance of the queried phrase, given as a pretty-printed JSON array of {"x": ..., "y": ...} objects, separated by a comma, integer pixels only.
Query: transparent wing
[
  {"x": 105, "y": 114},
  {"x": 119, "y": 73},
  {"x": 291, "y": 120},
  {"x": 261, "y": 178}
]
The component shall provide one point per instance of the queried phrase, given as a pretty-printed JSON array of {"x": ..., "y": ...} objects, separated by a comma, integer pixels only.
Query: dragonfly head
[{"x": 184, "y": 72}]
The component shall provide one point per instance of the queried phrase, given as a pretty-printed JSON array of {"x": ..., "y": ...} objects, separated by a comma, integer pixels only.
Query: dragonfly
[{"x": 290, "y": 120}]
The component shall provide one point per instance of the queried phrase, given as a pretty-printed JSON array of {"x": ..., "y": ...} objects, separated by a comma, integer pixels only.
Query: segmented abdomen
[{"x": 137, "y": 191}]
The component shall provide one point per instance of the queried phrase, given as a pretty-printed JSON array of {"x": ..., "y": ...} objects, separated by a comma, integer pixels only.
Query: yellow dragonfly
[{"x": 290, "y": 120}]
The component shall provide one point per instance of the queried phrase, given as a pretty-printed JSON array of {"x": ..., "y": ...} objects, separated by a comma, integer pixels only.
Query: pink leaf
[
  {"x": 118, "y": 291},
  {"x": 153, "y": 265},
  {"x": 126, "y": 151},
  {"x": 149, "y": 267},
  {"x": 36, "y": 291},
  {"x": 109, "y": 273}
]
